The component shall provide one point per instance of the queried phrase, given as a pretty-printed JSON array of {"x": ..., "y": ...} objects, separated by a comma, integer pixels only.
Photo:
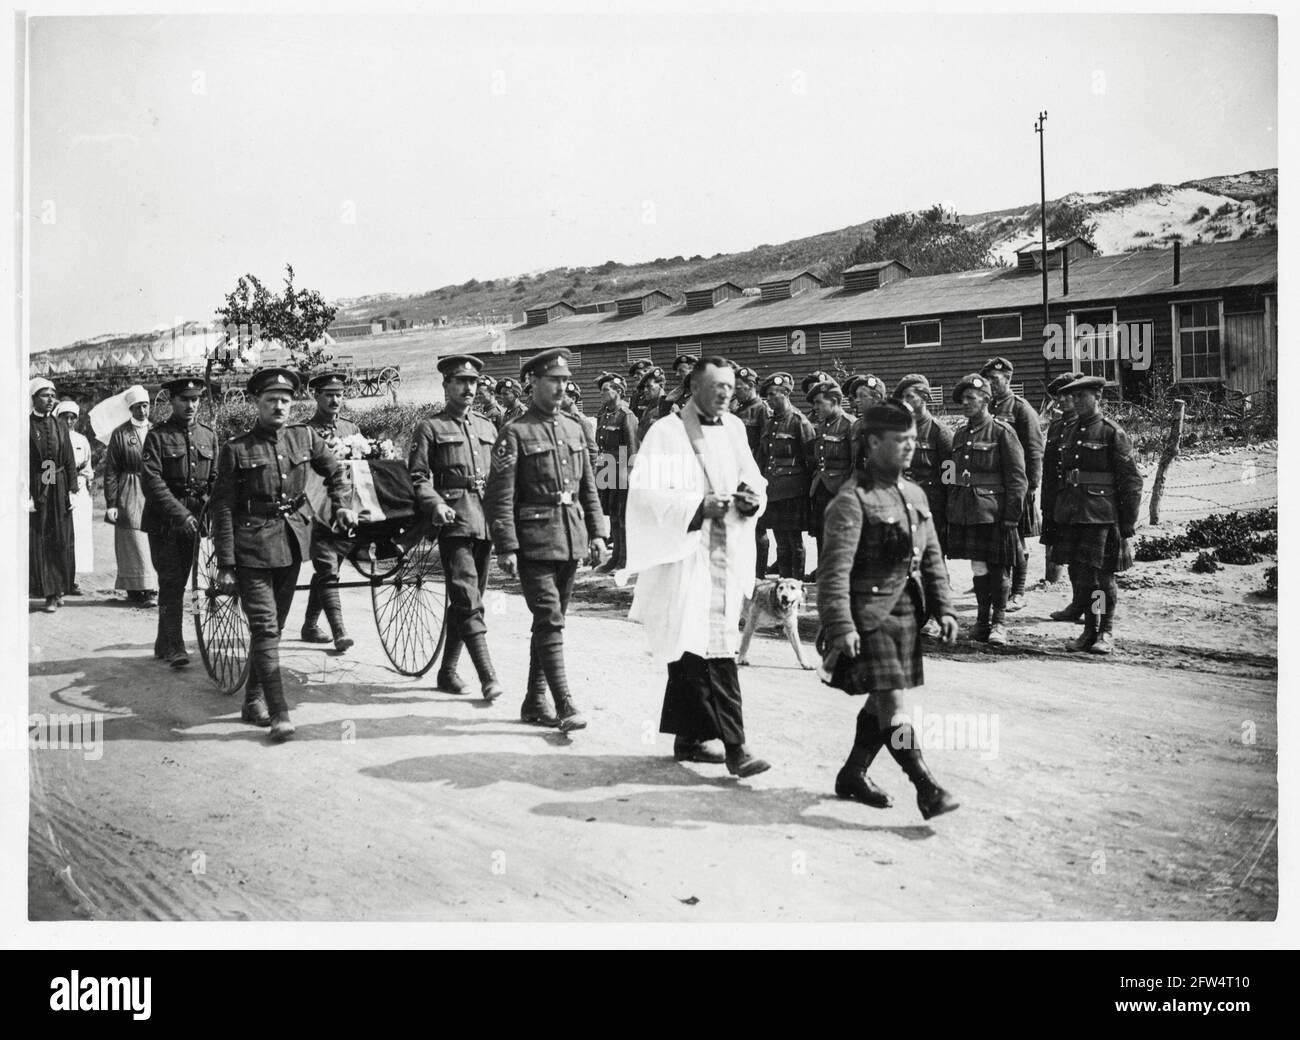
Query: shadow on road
[{"x": 684, "y": 798}]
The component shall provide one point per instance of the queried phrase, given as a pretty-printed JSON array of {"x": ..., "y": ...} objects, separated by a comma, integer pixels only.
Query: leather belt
[
  {"x": 969, "y": 479},
  {"x": 453, "y": 481},
  {"x": 560, "y": 498},
  {"x": 1075, "y": 478},
  {"x": 270, "y": 509}
]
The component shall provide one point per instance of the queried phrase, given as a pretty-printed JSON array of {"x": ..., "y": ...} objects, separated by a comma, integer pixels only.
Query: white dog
[{"x": 775, "y": 603}]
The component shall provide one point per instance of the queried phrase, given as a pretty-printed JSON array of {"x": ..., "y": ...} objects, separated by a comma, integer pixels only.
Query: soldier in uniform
[
  {"x": 327, "y": 548},
  {"x": 178, "y": 469},
  {"x": 864, "y": 391},
  {"x": 508, "y": 397},
  {"x": 634, "y": 373},
  {"x": 1024, "y": 420},
  {"x": 1095, "y": 491},
  {"x": 261, "y": 527},
  {"x": 617, "y": 441},
  {"x": 933, "y": 450},
  {"x": 984, "y": 504},
  {"x": 486, "y": 404},
  {"x": 881, "y": 576},
  {"x": 680, "y": 394},
  {"x": 544, "y": 516},
  {"x": 753, "y": 411},
  {"x": 649, "y": 392},
  {"x": 785, "y": 457},
  {"x": 1064, "y": 404},
  {"x": 571, "y": 404},
  {"x": 813, "y": 378},
  {"x": 451, "y": 455},
  {"x": 832, "y": 458}
]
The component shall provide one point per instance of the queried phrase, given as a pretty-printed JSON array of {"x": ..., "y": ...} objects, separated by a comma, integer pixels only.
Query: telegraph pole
[{"x": 1042, "y": 187}]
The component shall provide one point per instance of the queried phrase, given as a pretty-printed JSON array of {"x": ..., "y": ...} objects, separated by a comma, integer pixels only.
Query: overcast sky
[{"x": 168, "y": 155}]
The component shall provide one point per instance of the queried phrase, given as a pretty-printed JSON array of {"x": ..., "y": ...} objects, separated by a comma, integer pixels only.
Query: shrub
[
  {"x": 1201, "y": 213},
  {"x": 1160, "y": 547},
  {"x": 1261, "y": 519},
  {"x": 395, "y": 421},
  {"x": 1223, "y": 210},
  {"x": 1206, "y": 562},
  {"x": 1217, "y": 529},
  {"x": 1265, "y": 543}
]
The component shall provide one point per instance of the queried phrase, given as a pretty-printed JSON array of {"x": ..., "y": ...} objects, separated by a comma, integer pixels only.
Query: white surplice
[{"x": 690, "y": 584}]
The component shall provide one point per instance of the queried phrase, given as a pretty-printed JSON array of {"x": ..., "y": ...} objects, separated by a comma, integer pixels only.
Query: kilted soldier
[
  {"x": 616, "y": 439},
  {"x": 1095, "y": 491},
  {"x": 261, "y": 527},
  {"x": 486, "y": 404},
  {"x": 509, "y": 393},
  {"x": 864, "y": 391},
  {"x": 832, "y": 453},
  {"x": 649, "y": 392},
  {"x": 179, "y": 467},
  {"x": 51, "y": 481},
  {"x": 451, "y": 455},
  {"x": 933, "y": 450},
  {"x": 544, "y": 516},
  {"x": 1065, "y": 407},
  {"x": 984, "y": 504},
  {"x": 327, "y": 547},
  {"x": 881, "y": 576},
  {"x": 785, "y": 457},
  {"x": 1024, "y": 420},
  {"x": 812, "y": 379}
]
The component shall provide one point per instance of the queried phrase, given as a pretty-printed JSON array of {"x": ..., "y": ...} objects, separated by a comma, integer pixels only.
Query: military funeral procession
[{"x": 921, "y": 566}]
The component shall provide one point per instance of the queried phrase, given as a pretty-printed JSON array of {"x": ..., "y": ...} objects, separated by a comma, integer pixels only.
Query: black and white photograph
[{"x": 616, "y": 465}]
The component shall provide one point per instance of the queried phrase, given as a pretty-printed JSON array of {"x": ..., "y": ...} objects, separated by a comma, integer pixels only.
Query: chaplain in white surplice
[{"x": 694, "y": 498}]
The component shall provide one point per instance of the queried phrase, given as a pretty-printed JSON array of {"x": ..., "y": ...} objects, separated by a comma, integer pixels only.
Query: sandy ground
[{"x": 1137, "y": 788}]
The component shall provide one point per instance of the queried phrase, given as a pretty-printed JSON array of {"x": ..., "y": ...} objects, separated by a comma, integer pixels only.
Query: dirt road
[{"x": 1138, "y": 788}]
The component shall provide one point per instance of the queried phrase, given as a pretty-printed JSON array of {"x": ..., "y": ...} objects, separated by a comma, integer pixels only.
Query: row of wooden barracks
[{"x": 1203, "y": 315}]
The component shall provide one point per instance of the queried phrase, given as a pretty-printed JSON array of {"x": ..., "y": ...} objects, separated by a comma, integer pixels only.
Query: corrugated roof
[
  {"x": 645, "y": 295},
  {"x": 787, "y": 276},
  {"x": 1205, "y": 268},
  {"x": 1037, "y": 247}
]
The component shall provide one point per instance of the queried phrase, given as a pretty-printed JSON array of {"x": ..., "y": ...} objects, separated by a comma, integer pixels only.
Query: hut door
[{"x": 1249, "y": 363}]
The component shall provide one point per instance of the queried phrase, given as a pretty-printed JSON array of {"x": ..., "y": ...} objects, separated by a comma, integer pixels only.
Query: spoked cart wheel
[
  {"x": 410, "y": 603},
  {"x": 218, "y": 619}
]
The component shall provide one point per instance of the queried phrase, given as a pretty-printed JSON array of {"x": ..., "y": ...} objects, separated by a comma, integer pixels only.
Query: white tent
[{"x": 63, "y": 367}]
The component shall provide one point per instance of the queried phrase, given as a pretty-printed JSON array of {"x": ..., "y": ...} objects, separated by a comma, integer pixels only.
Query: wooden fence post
[{"x": 1167, "y": 457}]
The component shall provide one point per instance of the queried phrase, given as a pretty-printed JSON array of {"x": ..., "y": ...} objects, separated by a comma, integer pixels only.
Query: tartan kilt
[
  {"x": 786, "y": 514},
  {"x": 1029, "y": 523},
  {"x": 1095, "y": 545},
  {"x": 890, "y": 658},
  {"x": 988, "y": 543}
]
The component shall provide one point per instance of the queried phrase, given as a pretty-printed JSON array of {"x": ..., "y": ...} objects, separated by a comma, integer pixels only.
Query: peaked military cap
[
  {"x": 1084, "y": 383},
  {"x": 186, "y": 384},
  {"x": 1058, "y": 385},
  {"x": 997, "y": 364},
  {"x": 273, "y": 379},
  {"x": 827, "y": 387},
  {"x": 974, "y": 381},
  {"x": 460, "y": 365},
  {"x": 554, "y": 362},
  {"x": 779, "y": 380},
  {"x": 327, "y": 381}
]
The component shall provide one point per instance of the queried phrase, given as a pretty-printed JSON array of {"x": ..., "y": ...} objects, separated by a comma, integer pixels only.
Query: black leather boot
[
  {"x": 536, "y": 710},
  {"x": 999, "y": 589},
  {"x": 254, "y": 709},
  {"x": 334, "y": 615},
  {"x": 852, "y": 780},
  {"x": 1089, "y": 634},
  {"x": 447, "y": 680},
  {"x": 931, "y": 799},
  {"x": 311, "y": 630},
  {"x": 476, "y": 646}
]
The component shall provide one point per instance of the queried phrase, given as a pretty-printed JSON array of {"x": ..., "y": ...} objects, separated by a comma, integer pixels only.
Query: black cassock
[{"x": 52, "y": 475}]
